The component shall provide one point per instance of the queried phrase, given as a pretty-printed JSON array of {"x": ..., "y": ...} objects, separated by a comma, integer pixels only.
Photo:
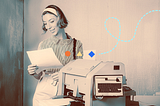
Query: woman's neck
[{"x": 61, "y": 34}]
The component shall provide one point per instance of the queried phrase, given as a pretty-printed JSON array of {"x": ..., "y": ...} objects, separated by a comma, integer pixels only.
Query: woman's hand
[
  {"x": 55, "y": 76},
  {"x": 32, "y": 69}
]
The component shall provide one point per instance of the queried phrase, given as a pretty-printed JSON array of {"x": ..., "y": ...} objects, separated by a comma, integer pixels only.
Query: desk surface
[{"x": 129, "y": 93}]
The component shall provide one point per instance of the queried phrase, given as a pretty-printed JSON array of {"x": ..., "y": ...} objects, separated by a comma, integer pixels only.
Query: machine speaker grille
[{"x": 109, "y": 87}]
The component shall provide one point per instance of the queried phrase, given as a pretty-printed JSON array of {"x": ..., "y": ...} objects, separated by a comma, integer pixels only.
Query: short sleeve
[{"x": 79, "y": 50}]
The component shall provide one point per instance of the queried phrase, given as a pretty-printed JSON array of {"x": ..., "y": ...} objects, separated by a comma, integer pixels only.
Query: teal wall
[{"x": 11, "y": 52}]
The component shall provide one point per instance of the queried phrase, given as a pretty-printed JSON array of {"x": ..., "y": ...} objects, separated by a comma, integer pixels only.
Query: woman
[{"x": 64, "y": 47}]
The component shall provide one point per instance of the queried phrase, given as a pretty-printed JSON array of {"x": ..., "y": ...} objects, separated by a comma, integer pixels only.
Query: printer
[{"x": 93, "y": 82}]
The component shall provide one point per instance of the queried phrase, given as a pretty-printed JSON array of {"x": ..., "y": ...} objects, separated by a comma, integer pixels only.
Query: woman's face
[{"x": 50, "y": 21}]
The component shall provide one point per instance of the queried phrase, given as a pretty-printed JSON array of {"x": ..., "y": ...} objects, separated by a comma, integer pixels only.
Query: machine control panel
[{"x": 108, "y": 85}]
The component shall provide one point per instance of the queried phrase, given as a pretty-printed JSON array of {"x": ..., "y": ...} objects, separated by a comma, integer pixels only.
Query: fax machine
[{"x": 93, "y": 82}]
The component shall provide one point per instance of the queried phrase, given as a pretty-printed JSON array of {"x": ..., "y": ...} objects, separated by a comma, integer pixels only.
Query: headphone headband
[{"x": 51, "y": 10}]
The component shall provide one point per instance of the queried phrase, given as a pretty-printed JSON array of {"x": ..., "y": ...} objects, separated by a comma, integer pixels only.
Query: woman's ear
[{"x": 44, "y": 28}]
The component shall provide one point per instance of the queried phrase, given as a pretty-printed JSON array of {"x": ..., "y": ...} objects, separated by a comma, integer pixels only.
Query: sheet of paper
[{"x": 44, "y": 58}]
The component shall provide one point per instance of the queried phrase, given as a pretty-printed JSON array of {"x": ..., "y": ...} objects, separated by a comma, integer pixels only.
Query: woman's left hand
[{"x": 55, "y": 76}]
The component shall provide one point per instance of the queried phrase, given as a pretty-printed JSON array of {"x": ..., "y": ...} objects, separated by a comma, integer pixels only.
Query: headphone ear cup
[{"x": 74, "y": 48}]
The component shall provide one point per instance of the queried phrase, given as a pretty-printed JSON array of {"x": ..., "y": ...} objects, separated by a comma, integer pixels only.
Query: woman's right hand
[{"x": 32, "y": 69}]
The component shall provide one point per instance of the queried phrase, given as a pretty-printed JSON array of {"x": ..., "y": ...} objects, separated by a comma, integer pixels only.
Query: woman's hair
[{"x": 62, "y": 23}]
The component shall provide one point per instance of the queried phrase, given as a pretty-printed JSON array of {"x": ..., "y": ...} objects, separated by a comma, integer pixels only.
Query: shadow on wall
[{"x": 11, "y": 79}]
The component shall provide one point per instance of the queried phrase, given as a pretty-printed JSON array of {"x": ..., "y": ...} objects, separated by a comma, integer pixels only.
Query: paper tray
[{"x": 81, "y": 67}]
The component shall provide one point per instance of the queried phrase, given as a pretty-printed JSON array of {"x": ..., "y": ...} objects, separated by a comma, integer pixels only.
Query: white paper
[{"x": 44, "y": 58}]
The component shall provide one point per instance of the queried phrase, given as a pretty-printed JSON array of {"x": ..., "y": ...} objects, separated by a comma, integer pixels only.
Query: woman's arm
[
  {"x": 52, "y": 70},
  {"x": 32, "y": 68},
  {"x": 39, "y": 46},
  {"x": 79, "y": 48},
  {"x": 38, "y": 76},
  {"x": 32, "y": 71}
]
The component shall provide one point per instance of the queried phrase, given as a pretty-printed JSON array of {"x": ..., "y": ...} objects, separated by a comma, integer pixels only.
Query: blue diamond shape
[{"x": 91, "y": 54}]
